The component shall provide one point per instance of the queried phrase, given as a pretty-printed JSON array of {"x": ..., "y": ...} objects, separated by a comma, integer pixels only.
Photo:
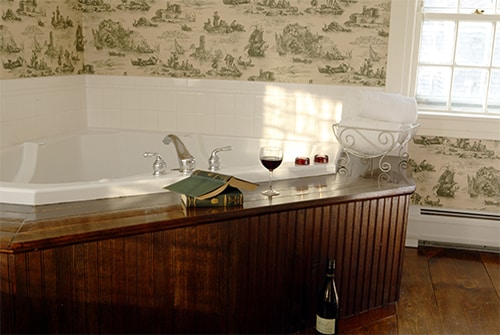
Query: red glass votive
[
  {"x": 302, "y": 161},
  {"x": 321, "y": 159}
]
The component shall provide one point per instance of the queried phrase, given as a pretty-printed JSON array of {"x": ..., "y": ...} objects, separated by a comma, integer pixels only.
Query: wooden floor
[{"x": 445, "y": 291}]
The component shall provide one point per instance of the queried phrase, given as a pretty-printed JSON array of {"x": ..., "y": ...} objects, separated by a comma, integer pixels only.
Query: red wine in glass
[
  {"x": 271, "y": 162},
  {"x": 271, "y": 158}
]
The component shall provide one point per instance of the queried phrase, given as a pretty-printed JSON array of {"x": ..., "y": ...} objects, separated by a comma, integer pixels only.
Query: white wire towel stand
[{"x": 369, "y": 143}]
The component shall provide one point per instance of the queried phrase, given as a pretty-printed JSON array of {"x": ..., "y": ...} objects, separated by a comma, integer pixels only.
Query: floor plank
[
  {"x": 417, "y": 308},
  {"x": 386, "y": 326},
  {"x": 466, "y": 298},
  {"x": 492, "y": 263}
]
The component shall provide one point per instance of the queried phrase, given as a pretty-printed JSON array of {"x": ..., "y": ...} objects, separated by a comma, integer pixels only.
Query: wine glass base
[{"x": 270, "y": 192}]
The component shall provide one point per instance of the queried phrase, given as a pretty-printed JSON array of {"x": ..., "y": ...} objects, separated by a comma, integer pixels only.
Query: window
[{"x": 458, "y": 67}]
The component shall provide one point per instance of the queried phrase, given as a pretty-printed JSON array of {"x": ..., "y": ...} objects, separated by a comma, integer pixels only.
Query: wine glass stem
[{"x": 270, "y": 180}]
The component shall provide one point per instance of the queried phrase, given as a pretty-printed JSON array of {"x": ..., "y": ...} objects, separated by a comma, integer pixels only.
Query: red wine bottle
[{"x": 327, "y": 313}]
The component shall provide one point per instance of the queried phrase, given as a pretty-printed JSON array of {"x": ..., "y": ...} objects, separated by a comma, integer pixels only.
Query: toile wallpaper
[
  {"x": 456, "y": 173},
  {"x": 295, "y": 41}
]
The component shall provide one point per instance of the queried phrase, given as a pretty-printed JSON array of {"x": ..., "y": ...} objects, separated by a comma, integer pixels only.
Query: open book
[{"x": 205, "y": 184}]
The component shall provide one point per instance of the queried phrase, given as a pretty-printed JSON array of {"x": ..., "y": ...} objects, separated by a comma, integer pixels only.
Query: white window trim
[{"x": 401, "y": 68}]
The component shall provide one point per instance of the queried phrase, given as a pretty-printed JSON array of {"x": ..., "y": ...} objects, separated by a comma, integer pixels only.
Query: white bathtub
[{"x": 101, "y": 163}]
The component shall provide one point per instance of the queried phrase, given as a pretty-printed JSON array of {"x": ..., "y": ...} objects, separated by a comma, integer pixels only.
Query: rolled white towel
[
  {"x": 371, "y": 124},
  {"x": 381, "y": 106}
]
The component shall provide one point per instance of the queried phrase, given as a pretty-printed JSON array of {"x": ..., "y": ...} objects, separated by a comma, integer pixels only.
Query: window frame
[
  {"x": 404, "y": 42},
  {"x": 457, "y": 18}
]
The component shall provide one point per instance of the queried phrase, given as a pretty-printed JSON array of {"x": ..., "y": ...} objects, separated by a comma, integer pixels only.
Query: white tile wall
[
  {"x": 220, "y": 107},
  {"x": 32, "y": 108},
  {"x": 38, "y": 107}
]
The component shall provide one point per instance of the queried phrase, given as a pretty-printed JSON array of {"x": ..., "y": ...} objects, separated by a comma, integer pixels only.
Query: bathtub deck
[{"x": 25, "y": 228}]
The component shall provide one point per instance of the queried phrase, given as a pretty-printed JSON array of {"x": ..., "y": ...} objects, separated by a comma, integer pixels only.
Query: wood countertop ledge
[{"x": 25, "y": 228}]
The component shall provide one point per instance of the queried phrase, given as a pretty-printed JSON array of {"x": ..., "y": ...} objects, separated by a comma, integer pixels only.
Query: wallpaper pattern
[
  {"x": 299, "y": 41},
  {"x": 456, "y": 173}
]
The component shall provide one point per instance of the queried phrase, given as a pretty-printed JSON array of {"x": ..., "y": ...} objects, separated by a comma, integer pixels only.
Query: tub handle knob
[
  {"x": 159, "y": 165},
  {"x": 214, "y": 160}
]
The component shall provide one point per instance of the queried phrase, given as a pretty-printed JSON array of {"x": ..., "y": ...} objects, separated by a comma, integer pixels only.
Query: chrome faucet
[
  {"x": 159, "y": 165},
  {"x": 187, "y": 162},
  {"x": 214, "y": 160}
]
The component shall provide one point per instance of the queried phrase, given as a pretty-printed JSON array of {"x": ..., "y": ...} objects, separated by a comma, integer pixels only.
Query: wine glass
[{"x": 271, "y": 158}]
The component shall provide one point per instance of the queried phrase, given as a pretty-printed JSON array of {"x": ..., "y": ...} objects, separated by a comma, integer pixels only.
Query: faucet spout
[{"x": 186, "y": 161}]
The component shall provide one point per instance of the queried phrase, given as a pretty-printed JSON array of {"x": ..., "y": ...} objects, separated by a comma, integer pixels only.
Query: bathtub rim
[
  {"x": 44, "y": 194},
  {"x": 25, "y": 193}
]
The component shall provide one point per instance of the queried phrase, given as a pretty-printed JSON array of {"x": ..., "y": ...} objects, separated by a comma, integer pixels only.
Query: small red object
[
  {"x": 302, "y": 161},
  {"x": 321, "y": 158}
]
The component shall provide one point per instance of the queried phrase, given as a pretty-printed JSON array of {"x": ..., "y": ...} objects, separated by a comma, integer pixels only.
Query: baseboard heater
[
  {"x": 471, "y": 230},
  {"x": 459, "y": 214},
  {"x": 459, "y": 246}
]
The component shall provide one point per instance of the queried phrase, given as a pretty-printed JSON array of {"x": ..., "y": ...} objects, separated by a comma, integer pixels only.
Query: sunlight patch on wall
[
  {"x": 299, "y": 115},
  {"x": 274, "y": 116},
  {"x": 330, "y": 113},
  {"x": 306, "y": 112}
]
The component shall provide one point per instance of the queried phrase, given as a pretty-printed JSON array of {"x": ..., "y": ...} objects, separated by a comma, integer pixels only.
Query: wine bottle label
[{"x": 325, "y": 326}]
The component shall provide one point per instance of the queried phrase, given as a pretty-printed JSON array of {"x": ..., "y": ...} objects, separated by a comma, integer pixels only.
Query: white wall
[
  {"x": 235, "y": 108},
  {"x": 37, "y": 107}
]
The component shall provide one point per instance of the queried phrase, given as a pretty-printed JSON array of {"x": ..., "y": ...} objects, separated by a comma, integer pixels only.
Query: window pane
[
  {"x": 469, "y": 89},
  {"x": 474, "y": 43},
  {"x": 437, "y": 42},
  {"x": 494, "y": 93},
  {"x": 458, "y": 66},
  {"x": 468, "y": 6},
  {"x": 496, "y": 52},
  {"x": 433, "y": 86},
  {"x": 441, "y": 6}
]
